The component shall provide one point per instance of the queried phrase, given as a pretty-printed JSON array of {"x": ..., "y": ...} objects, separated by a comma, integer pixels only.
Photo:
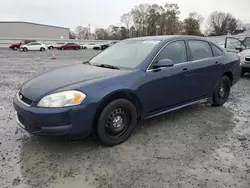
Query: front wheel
[
  {"x": 25, "y": 49},
  {"x": 15, "y": 48},
  {"x": 116, "y": 122},
  {"x": 42, "y": 49},
  {"x": 222, "y": 92}
]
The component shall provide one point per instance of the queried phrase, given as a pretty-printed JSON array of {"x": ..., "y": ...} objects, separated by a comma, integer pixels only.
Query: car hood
[
  {"x": 63, "y": 77},
  {"x": 245, "y": 52}
]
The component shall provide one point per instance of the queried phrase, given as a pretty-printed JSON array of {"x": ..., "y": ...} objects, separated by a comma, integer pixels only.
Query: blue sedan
[{"x": 132, "y": 80}]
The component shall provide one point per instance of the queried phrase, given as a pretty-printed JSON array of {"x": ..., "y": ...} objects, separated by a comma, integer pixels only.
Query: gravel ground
[{"x": 199, "y": 146}]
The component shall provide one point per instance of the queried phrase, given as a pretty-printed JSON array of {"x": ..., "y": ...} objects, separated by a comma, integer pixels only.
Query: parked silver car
[{"x": 243, "y": 48}]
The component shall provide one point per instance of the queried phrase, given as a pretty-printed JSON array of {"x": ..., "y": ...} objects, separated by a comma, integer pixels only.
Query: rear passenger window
[
  {"x": 200, "y": 49},
  {"x": 176, "y": 51},
  {"x": 217, "y": 51}
]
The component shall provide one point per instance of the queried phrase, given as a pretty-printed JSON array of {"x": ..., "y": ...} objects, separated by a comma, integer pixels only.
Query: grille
[
  {"x": 24, "y": 99},
  {"x": 247, "y": 59},
  {"x": 30, "y": 125}
]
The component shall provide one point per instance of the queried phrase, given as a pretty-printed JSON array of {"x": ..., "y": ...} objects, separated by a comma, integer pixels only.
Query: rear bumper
[{"x": 68, "y": 121}]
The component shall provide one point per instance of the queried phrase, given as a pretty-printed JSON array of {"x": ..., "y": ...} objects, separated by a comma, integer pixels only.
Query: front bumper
[
  {"x": 67, "y": 121},
  {"x": 245, "y": 67}
]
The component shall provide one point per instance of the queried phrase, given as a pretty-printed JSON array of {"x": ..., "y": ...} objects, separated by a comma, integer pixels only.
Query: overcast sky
[{"x": 102, "y": 13}]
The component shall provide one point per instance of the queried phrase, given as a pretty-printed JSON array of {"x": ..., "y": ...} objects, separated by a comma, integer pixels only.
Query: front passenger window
[{"x": 175, "y": 51}]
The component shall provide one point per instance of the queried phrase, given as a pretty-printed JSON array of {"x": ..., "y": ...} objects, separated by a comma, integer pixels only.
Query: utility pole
[
  {"x": 157, "y": 29},
  {"x": 89, "y": 32}
]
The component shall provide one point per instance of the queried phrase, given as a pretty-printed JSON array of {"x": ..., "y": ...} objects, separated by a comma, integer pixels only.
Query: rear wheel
[
  {"x": 15, "y": 48},
  {"x": 51, "y": 47},
  {"x": 116, "y": 122},
  {"x": 42, "y": 49},
  {"x": 222, "y": 92},
  {"x": 25, "y": 49}
]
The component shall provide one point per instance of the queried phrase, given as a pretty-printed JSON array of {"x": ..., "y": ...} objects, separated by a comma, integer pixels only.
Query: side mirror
[
  {"x": 164, "y": 63},
  {"x": 240, "y": 48}
]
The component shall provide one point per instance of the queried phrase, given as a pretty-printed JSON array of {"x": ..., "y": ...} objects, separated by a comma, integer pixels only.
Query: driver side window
[{"x": 175, "y": 51}]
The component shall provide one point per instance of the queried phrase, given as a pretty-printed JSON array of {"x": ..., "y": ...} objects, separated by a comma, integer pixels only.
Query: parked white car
[
  {"x": 55, "y": 45},
  {"x": 88, "y": 46},
  {"x": 33, "y": 46}
]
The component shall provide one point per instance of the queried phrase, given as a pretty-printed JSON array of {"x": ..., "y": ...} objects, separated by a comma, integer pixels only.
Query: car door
[
  {"x": 167, "y": 87},
  {"x": 207, "y": 68},
  {"x": 31, "y": 46},
  {"x": 68, "y": 46},
  {"x": 37, "y": 46},
  {"x": 246, "y": 42},
  {"x": 234, "y": 45}
]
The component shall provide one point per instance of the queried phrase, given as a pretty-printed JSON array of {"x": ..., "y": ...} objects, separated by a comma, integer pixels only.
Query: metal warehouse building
[{"x": 32, "y": 31}]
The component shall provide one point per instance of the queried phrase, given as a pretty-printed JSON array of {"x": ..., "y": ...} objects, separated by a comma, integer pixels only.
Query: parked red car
[
  {"x": 69, "y": 46},
  {"x": 17, "y": 45}
]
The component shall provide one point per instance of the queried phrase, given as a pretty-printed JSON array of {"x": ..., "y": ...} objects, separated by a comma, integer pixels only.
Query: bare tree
[
  {"x": 222, "y": 23},
  {"x": 139, "y": 16},
  {"x": 196, "y": 16},
  {"x": 127, "y": 20},
  {"x": 82, "y": 32},
  {"x": 101, "y": 34}
]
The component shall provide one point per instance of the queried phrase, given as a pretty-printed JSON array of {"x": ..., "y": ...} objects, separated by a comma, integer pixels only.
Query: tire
[
  {"x": 62, "y": 48},
  {"x": 25, "y": 49},
  {"x": 85, "y": 48},
  {"x": 51, "y": 47},
  {"x": 116, "y": 122},
  {"x": 15, "y": 48},
  {"x": 222, "y": 92},
  {"x": 42, "y": 49}
]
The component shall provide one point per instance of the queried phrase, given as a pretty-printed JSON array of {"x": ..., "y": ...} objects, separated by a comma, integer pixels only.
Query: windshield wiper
[{"x": 108, "y": 66}]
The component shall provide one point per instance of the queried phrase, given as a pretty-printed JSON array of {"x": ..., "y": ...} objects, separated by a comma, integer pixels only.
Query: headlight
[{"x": 62, "y": 99}]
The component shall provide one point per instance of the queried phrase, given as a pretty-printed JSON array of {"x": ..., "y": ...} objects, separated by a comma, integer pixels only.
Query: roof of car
[{"x": 167, "y": 37}]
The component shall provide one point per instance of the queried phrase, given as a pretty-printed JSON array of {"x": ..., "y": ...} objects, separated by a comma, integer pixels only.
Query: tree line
[{"x": 153, "y": 19}]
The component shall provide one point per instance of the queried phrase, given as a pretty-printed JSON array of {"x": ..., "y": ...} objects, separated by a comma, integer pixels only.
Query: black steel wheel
[
  {"x": 222, "y": 92},
  {"x": 116, "y": 122}
]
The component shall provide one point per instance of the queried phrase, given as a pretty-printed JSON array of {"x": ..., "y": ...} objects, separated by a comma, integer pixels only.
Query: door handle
[{"x": 185, "y": 70}]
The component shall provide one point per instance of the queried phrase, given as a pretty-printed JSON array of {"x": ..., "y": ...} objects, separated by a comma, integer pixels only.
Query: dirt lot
[{"x": 199, "y": 146}]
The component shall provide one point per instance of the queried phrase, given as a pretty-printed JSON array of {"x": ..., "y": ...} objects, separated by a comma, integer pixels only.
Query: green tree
[
  {"x": 123, "y": 33},
  {"x": 192, "y": 24}
]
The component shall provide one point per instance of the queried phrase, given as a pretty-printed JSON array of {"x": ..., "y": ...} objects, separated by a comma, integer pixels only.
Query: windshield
[{"x": 126, "y": 54}]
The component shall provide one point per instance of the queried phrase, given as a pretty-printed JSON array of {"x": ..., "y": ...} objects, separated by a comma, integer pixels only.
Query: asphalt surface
[{"x": 199, "y": 146}]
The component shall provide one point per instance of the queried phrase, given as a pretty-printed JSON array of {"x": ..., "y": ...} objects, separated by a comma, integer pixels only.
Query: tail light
[{"x": 239, "y": 59}]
